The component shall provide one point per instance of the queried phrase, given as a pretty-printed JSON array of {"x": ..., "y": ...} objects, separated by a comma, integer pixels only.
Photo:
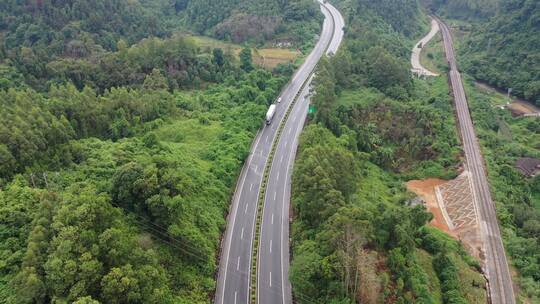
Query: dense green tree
[
  {"x": 219, "y": 58},
  {"x": 246, "y": 59},
  {"x": 65, "y": 261},
  {"x": 86, "y": 300},
  {"x": 306, "y": 272},
  {"x": 489, "y": 55},
  {"x": 252, "y": 20},
  {"x": 155, "y": 81},
  {"x": 465, "y": 9},
  {"x": 387, "y": 73},
  {"x": 325, "y": 99}
]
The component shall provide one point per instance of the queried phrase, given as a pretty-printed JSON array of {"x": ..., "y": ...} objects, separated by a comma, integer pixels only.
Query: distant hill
[
  {"x": 464, "y": 9},
  {"x": 251, "y": 20},
  {"x": 78, "y": 24},
  {"x": 505, "y": 51}
]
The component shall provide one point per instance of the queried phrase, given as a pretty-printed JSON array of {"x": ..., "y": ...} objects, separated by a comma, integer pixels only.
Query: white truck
[{"x": 270, "y": 114}]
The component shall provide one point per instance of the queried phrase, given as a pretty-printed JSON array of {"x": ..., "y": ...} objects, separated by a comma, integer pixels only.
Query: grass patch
[
  {"x": 211, "y": 43},
  {"x": 189, "y": 137},
  {"x": 432, "y": 56},
  {"x": 362, "y": 96},
  {"x": 425, "y": 260},
  {"x": 471, "y": 282},
  {"x": 271, "y": 57}
]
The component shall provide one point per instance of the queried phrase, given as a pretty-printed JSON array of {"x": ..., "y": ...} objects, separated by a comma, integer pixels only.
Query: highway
[
  {"x": 273, "y": 284},
  {"x": 495, "y": 264},
  {"x": 233, "y": 282}
]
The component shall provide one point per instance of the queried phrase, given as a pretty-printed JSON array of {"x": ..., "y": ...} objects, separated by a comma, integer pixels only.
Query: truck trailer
[{"x": 270, "y": 114}]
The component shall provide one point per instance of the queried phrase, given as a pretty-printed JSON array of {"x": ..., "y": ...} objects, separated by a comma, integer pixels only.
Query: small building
[{"x": 528, "y": 166}]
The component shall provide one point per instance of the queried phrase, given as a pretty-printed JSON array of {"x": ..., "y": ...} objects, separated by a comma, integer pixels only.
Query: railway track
[{"x": 495, "y": 265}]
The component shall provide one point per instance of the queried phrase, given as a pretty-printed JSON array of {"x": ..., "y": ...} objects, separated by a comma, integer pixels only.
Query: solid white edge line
[{"x": 236, "y": 204}]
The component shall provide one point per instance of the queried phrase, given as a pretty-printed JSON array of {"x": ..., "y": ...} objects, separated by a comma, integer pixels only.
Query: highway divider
[{"x": 266, "y": 174}]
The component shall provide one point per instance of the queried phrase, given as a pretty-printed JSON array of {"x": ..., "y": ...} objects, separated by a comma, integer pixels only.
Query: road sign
[{"x": 311, "y": 109}]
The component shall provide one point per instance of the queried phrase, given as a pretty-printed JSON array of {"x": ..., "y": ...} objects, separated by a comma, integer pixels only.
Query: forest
[
  {"x": 504, "y": 51},
  {"x": 107, "y": 44},
  {"x": 129, "y": 187},
  {"x": 464, "y": 9},
  {"x": 120, "y": 143},
  {"x": 293, "y": 21},
  {"x": 357, "y": 236},
  {"x": 121, "y": 140},
  {"x": 501, "y": 42}
]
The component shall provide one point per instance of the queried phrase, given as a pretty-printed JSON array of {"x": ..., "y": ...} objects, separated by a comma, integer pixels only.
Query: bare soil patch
[
  {"x": 426, "y": 190},
  {"x": 519, "y": 107},
  {"x": 454, "y": 211}
]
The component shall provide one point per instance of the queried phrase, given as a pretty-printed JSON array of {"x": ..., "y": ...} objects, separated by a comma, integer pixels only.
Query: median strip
[{"x": 266, "y": 174}]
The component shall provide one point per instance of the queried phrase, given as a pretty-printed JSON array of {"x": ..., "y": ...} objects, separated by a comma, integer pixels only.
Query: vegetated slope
[
  {"x": 87, "y": 42},
  {"x": 504, "y": 139},
  {"x": 121, "y": 196},
  {"x": 505, "y": 52},
  {"x": 114, "y": 179},
  {"x": 297, "y": 21},
  {"x": 403, "y": 20},
  {"x": 116, "y": 43},
  {"x": 356, "y": 238},
  {"x": 77, "y": 26},
  {"x": 464, "y": 9}
]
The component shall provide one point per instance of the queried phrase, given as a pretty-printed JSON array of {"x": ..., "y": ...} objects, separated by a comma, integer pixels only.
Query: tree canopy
[{"x": 504, "y": 51}]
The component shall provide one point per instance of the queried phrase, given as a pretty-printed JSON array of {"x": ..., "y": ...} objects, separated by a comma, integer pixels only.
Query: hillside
[
  {"x": 293, "y": 21},
  {"x": 504, "y": 138},
  {"x": 356, "y": 237},
  {"x": 504, "y": 51},
  {"x": 107, "y": 44},
  {"x": 464, "y": 9},
  {"x": 120, "y": 145},
  {"x": 44, "y": 43}
]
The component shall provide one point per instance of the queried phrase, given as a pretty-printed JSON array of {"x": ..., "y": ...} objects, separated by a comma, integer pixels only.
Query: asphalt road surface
[
  {"x": 496, "y": 267},
  {"x": 273, "y": 283},
  {"x": 234, "y": 270}
]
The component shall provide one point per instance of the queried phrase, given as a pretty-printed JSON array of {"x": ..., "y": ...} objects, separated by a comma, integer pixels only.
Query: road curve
[
  {"x": 417, "y": 67},
  {"x": 233, "y": 282},
  {"x": 495, "y": 264}
]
